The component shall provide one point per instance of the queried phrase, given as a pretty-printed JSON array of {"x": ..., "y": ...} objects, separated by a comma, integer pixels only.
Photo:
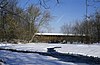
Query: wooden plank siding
[{"x": 60, "y": 38}]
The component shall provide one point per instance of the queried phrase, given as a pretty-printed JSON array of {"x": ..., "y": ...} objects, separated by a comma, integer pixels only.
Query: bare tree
[
  {"x": 66, "y": 28},
  {"x": 22, "y": 24},
  {"x": 40, "y": 19}
]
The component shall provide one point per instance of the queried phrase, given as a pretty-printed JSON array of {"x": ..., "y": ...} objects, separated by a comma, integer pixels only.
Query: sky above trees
[{"x": 67, "y": 11}]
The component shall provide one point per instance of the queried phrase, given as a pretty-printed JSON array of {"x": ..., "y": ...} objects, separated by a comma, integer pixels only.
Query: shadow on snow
[{"x": 65, "y": 57}]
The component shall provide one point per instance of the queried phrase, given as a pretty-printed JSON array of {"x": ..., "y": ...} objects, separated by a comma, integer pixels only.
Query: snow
[
  {"x": 1, "y": 63},
  {"x": 83, "y": 49},
  {"x": 2, "y": 44},
  {"x": 14, "y": 58},
  {"x": 58, "y": 34}
]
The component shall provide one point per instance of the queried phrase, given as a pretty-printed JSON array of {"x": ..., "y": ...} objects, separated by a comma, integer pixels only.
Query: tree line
[{"x": 90, "y": 26}]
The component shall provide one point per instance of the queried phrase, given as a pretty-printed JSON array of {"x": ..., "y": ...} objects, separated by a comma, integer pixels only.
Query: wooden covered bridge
[{"x": 59, "y": 37}]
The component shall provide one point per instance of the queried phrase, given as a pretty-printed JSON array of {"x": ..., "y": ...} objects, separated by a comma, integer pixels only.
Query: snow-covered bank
[
  {"x": 83, "y": 49},
  {"x": 5, "y": 44},
  {"x": 14, "y": 58},
  {"x": 1, "y": 62}
]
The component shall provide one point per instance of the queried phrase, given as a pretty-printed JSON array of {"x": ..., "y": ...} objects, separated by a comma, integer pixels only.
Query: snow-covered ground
[
  {"x": 15, "y": 58},
  {"x": 83, "y": 49}
]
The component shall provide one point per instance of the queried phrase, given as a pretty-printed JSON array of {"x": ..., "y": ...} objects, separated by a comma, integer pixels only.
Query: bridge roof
[{"x": 59, "y": 34}]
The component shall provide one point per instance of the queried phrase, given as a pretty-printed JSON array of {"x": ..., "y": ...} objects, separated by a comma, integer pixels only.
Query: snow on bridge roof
[{"x": 59, "y": 34}]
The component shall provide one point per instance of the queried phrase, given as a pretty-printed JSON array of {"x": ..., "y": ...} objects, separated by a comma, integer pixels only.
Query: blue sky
[{"x": 68, "y": 11}]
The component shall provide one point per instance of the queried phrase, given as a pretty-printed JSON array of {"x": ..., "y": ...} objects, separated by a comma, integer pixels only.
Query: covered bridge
[{"x": 59, "y": 37}]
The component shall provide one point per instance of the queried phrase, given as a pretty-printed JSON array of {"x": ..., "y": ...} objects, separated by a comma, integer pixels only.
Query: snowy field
[
  {"x": 15, "y": 58},
  {"x": 82, "y": 49}
]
